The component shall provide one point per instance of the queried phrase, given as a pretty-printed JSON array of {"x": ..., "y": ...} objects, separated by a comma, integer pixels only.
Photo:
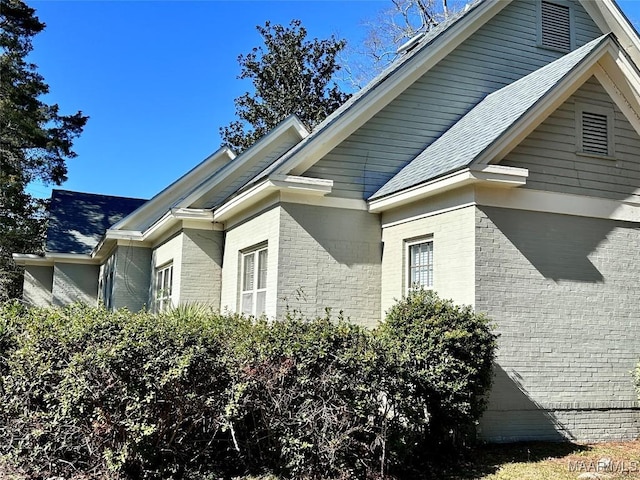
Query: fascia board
[
  {"x": 24, "y": 259},
  {"x": 559, "y": 94},
  {"x": 327, "y": 137},
  {"x": 502, "y": 176},
  {"x": 131, "y": 235},
  {"x": 50, "y": 259},
  {"x": 609, "y": 18},
  {"x": 166, "y": 198},
  {"x": 243, "y": 200},
  {"x": 192, "y": 214},
  {"x": 311, "y": 186},
  {"x": 621, "y": 79},
  {"x": 271, "y": 141}
]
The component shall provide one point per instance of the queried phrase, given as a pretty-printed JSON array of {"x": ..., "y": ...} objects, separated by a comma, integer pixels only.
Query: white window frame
[
  {"x": 600, "y": 110},
  {"x": 163, "y": 295},
  {"x": 408, "y": 266},
  {"x": 255, "y": 287},
  {"x": 572, "y": 39}
]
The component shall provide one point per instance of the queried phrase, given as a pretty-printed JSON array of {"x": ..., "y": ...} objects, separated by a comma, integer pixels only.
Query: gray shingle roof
[
  {"x": 482, "y": 126},
  {"x": 77, "y": 221}
]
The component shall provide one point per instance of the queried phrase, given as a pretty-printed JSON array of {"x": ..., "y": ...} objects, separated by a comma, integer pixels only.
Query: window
[
  {"x": 254, "y": 282},
  {"x": 105, "y": 286},
  {"x": 164, "y": 287},
  {"x": 420, "y": 264},
  {"x": 554, "y": 26},
  {"x": 595, "y": 130}
]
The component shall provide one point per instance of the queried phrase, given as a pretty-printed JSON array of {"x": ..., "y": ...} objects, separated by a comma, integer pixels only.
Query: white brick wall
[
  {"x": 261, "y": 228},
  {"x": 201, "y": 267},
  {"x": 453, "y": 256}
]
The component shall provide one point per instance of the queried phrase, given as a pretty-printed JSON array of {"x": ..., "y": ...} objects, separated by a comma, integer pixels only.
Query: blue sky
[{"x": 158, "y": 78}]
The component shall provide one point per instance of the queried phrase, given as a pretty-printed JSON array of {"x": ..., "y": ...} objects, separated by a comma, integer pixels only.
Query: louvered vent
[
  {"x": 556, "y": 26},
  {"x": 595, "y": 136}
]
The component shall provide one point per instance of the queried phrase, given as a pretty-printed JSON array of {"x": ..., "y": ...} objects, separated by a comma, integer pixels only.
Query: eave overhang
[
  {"x": 50, "y": 259},
  {"x": 275, "y": 183},
  {"x": 496, "y": 176}
]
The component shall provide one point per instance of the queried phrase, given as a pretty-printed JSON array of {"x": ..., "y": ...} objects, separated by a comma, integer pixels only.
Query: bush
[
  {"x": 440, "y": 369},
  {"x": 306, "y": 399},
  {"x": 114, "y": 393},
  {"x": 193, "y": 394}
]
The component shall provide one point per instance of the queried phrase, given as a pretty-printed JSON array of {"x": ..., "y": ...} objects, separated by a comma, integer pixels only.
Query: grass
[
  {"x": 551, "y": 461},
  {"x": 524, "y": 461}
]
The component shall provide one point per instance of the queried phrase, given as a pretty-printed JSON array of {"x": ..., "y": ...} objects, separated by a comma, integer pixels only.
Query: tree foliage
[
  {"x": 35, "y": 139},
  {"x": 400, "y": 21},
  {"x": 290, "y": 75}
]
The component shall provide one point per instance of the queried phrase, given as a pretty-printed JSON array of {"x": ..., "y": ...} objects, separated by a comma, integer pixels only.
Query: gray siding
[
  {"x": 201, "y": 272},
  {"x": 329, "y": 257},
  {"x": 132, "y": 278},
  {"x": 75, "y": 283},
  {"x": 37, "y": 286},
  {"x": 550, "y": 153},
  {"x": 563, "y": 292},
  {"x": 503, "y": 50}
]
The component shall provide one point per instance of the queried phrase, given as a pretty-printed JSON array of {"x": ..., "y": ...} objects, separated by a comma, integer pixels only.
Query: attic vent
[
  {"x": 556, "y": 26},
  {"x": 595, "y": 133}
]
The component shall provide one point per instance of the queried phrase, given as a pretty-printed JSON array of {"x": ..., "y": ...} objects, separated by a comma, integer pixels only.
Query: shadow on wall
[
  {"x": 513, "y": 416},
  {"x": 558, "y": 246}
]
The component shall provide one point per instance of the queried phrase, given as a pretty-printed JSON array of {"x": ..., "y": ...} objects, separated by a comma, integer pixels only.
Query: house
[{"x": 497, "y": 161}]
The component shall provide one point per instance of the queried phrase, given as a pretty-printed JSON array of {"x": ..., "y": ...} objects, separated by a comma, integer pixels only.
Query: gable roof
[
  {"x": 483, "y": 125},
  {"x": 427, "y": 52},
  {"x": 77, "y": 220},
  {"x": 430, "y": 49},
  {"x": 152, "y": 210}
]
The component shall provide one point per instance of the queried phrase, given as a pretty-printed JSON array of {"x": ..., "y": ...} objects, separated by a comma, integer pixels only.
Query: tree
[
  {"x": 290, "y": 75},
  {"x": 35, "y": 140},
  {"x": 393, "y": 26}
]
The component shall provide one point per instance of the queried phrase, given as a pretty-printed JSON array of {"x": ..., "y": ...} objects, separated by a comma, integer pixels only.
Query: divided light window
[
  {"x": 254, "y": 282},
  {"x": 555, "y": 26},
  {"x": 420, "y": 265},
  {"x": 164, "y": 287}
]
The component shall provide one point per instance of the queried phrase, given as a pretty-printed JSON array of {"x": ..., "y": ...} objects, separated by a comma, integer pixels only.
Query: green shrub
[
  {"x": 194, "y": 394},
  {"x": 439, "y": 371},
  {"x": 306, "y": 399},
  {"x": 127, "y": 394}
]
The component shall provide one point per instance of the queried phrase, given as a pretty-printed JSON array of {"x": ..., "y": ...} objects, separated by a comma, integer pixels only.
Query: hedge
[{"x": 195, "y": 394}]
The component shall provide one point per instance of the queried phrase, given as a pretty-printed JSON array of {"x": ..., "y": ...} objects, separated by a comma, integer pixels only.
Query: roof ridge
[{"x": 103, "y": 195}]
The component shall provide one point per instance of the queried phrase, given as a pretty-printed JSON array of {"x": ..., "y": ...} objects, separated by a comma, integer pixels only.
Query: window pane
[
  {"x": 262, "y": 269},
  {"x": 421, "y": 265},
  {"x": 247, "y": 281},
  {"x": 261, "y": 299},
  {"x": 247, "y": 303}
]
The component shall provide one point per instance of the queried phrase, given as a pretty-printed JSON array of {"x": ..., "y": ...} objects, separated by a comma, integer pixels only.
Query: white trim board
[{"x": 559, "y": 203}]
